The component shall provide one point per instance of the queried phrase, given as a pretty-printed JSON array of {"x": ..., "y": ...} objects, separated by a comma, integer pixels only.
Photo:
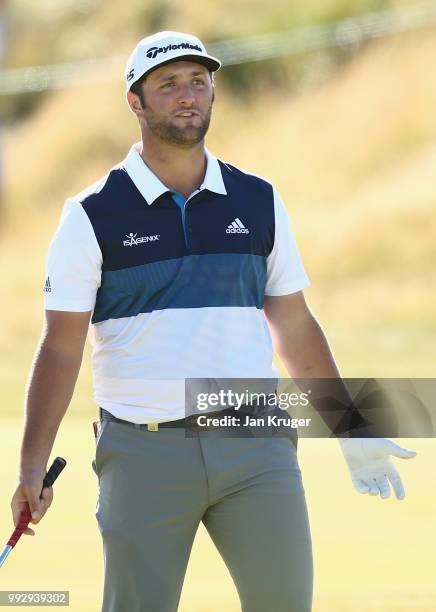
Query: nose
[{"x": 186, "y": 95}]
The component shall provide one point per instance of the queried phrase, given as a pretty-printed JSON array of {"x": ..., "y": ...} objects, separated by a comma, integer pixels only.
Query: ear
[{"x": 134, "y": 103}]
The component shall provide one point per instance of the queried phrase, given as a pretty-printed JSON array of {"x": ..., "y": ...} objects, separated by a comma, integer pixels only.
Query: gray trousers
[{"x": 156, "y": 487}]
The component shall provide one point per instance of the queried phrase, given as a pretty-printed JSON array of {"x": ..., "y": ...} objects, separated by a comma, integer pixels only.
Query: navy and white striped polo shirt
[{"x": 176, "y": 291}]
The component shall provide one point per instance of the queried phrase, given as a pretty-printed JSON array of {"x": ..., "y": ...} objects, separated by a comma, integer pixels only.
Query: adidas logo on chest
[{"x": 237, "y": 227}]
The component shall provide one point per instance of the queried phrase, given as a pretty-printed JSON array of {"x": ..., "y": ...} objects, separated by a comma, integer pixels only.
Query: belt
[{"x": 188, "y": 422}]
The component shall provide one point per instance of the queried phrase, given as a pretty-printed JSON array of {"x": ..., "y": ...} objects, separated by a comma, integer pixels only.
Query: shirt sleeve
[
  {"x": 285, "y": 270},
  {"x": 73, "y": 263}
]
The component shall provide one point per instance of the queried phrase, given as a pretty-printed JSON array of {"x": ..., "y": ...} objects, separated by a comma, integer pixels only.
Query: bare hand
[{"x": 28, "y": 493}]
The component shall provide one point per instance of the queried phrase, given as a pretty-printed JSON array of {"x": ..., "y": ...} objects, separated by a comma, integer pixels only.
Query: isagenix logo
[{"x": 133, "y": 240}]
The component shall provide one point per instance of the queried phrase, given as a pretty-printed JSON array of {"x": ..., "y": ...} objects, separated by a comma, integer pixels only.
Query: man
[{"x": 188, "y": 267}]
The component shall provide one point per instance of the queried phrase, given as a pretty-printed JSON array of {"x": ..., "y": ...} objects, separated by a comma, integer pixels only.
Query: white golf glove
[{"x": 370, "y": 466}]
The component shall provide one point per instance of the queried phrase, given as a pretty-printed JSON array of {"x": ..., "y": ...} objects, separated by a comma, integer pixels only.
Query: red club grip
[
  {"x": 56, "y": 468},
  {"x": 20, "y": 528}
]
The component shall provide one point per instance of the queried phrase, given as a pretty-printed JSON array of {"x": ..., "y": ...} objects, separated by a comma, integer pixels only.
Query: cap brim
[{"x": 211, "y": 63}]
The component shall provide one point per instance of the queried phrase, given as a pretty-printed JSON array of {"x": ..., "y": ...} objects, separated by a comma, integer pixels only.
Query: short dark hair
[{"x": 136, "y": 88}]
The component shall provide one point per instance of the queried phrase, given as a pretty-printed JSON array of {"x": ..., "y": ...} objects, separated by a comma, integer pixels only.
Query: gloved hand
[{"x": 370, "y": 466}]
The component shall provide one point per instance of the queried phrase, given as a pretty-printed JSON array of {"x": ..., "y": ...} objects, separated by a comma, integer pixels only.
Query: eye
[
  {"x": 167, "y": 85},
  {"x": 198, "y": 81}
]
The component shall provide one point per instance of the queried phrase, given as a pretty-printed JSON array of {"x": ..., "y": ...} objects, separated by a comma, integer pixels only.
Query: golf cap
[{"x": 164, "y": 48}]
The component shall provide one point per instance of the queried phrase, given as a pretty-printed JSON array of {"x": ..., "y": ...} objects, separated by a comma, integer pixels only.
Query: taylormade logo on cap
[
  {"x": 165, "y": 47},
  {"x": 153, "y": 52}
]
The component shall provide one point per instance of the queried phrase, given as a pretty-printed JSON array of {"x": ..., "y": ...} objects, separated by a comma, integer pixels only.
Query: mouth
[{"x": 187, "y": 114}]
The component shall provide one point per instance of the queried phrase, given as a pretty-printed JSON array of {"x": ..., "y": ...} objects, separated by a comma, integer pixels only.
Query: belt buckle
[{"x": 153, "y": 426}]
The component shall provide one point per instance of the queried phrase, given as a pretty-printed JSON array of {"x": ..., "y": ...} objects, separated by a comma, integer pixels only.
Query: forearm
[
  {"x": 308, "y": 359},
  {"x": 305, "y": 351},
  {"x": 50, "y": 388}
]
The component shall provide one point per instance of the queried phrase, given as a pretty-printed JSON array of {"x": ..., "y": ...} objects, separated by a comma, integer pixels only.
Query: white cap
[{"x": 163, "y": 48}]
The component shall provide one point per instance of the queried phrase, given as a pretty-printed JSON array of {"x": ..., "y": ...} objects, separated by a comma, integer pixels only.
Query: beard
[{"x": 175, "y": 134}]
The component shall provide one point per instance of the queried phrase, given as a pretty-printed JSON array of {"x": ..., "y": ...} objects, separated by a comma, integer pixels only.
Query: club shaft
[{"x": 7, "y": 549}]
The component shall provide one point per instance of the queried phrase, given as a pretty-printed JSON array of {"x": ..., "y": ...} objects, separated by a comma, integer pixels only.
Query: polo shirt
[{"x": 176, "y": 292}]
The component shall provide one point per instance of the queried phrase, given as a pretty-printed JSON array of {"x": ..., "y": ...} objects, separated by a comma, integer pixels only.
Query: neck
[{"x": 180, "y": 168}]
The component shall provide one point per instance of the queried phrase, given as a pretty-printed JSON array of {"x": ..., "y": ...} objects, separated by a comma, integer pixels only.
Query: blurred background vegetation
[{"x": 347, "y": 134}]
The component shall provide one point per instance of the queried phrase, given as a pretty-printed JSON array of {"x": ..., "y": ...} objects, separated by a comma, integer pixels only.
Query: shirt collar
[{"x": 151, "y": 187}]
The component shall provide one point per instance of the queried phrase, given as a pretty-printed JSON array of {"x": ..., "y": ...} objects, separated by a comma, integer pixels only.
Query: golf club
[{"x": 56, "y": 468}]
